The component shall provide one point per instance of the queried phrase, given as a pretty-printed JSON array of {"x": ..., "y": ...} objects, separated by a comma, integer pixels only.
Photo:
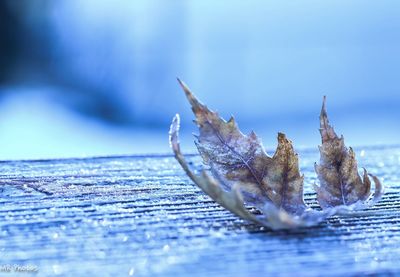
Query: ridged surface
[{"x": 143, "y": 216}]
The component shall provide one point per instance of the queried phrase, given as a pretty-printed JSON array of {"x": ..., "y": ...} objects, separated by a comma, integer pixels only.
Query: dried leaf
[
  {"x": 239, "y": 171},
  {"x": 340, "y": 182},
  {"x": 236, "y": 158},
  {"x": 272, "y": 184},
  {"x": 232, "y": 199}
]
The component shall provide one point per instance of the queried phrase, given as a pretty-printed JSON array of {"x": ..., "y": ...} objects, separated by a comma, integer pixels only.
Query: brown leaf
[
  {"x": 242, "y": 172},
  {"x": 236, "y": 158},
  {"x": 340, "y": 182},
  {"x": 272, "y": 217},
  {"x": 228, "y": 200}
]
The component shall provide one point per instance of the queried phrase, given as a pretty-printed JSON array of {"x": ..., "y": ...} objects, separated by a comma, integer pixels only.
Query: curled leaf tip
[
  {"x": 173, "y": 133},
  {"x": 379, "y": 190}
]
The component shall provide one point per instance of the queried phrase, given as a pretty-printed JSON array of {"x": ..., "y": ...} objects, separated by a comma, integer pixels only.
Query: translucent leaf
[
  {"x": 242, "y": 172},
  {"x": 340, "y": 182},
  {"x": 238, "y": 171}
]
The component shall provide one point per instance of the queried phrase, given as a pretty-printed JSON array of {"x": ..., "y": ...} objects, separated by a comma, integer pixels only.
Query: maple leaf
[
  {"x": 232, "y": 198},
  {"x": 243, "y": 172},
  {"x": 340, "y": 182},
  {"x": 239, "y": 171}
]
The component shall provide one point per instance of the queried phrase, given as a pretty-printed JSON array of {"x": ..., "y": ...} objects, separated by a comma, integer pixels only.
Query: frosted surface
[{"x": 142, "y": 216}]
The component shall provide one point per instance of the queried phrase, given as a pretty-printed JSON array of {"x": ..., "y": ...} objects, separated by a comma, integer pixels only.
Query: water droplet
[{"x": 131, "y": 271}]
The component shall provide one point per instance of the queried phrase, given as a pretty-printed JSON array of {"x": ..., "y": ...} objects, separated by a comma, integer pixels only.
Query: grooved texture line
[{"x": 142, "y": 216}]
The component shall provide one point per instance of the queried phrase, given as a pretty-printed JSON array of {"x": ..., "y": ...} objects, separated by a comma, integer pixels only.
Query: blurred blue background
[{"x": 94, "y": 77}]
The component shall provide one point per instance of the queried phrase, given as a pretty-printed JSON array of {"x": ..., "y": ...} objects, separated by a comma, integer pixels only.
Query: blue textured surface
[{"x": 142, "y": 216}]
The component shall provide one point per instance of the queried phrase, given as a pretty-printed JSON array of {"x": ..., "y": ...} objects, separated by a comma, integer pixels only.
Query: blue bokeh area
[{"x": 84, "y": 78}]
